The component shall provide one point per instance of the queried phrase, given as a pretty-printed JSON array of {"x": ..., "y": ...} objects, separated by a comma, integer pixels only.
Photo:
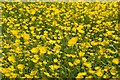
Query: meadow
[{"x": 60, "y": 40}]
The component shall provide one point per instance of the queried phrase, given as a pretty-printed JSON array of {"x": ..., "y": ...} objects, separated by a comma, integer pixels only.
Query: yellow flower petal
[
  {"x": 20, "y": 66},
  {"x": 115, "y": 61},
  {"x": 11, "y": 59},
  {"x": 72, "y": 41},
  {"x": 81, "y": 54},
  {"x": 34, "y": 50}
]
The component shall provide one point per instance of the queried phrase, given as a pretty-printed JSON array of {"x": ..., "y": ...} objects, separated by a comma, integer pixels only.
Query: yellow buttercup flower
[
  {"x": 77, "y": 61},
  {"x": 99, "y": 21},
  {"x": 32, "y": 11},
  {"x": 83, "y": 44},
  {"x": 98, "y": 67},
  {"x": 104, "y": 43},
  {"x": 15, "y": 32},
  {"x": 33, "y": 18},
  {"x": 20, "y": 66},
  {"x": 57, "y": 47},
  {"x": 89, "y": 77},
  {"x": 26, "y": 36},
  {"x": 81, "y": 74},
  {"x": 106, "y": 76},
  {"x": 54, "y": 22},
  {"x": 80, "y": 29},
  {"x": 28, "y": 76},
  {"x": 88, "y": 64},
  {"x": 35, "y": 59},
  {"x": 101, "y": 50},
  {"x": 11, "y": 59},
  {"x": 71, "y": 55},
  {"x": 84, "y": 59},
  {"x": 44, "y": 62},
  {"x": 81, "y": 53},
  {"x": 109, "y": 33},
  {"x": 13, "y": 75},
  {"x": 91, "y": 71},
  {"x": 47, "y": 74},
  {"x": 34, "y": 50},
  {"x": 32, "y": 28},
  {"x": 117, "y": 28},
  {"x": 37, "y": 36},
  {"x": 36, "y": 56},
  {"x": 99, "y": 73},
  {"x": 72, "y": 41},
  {"x": 106, "y": 68},
  {"x": 42, "y": 49},
  {"x": 54, "y": 67},
  {"x": 74, "y": 29},
  {"x": 11, "y": 68},
  {"x": 5, "y": 70},
  {"x": 7, "y": 74},
  {"x": 70, "y": 64},
  {"x": 7, "y": 46},
  {"x": 49, "y": 52},
  {"x": 94, "y": 43},
  {"x": 115, "y": 61},
  {"x": 113, "y": 71},
  {"x": 55, "y": 60},
  {"x": 17, "y": 25}
]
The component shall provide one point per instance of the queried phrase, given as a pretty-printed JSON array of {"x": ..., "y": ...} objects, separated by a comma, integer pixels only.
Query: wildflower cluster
[{"x": 60, "y": 40}]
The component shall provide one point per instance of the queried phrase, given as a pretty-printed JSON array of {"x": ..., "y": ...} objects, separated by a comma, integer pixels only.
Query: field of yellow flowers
[{"x": 60, "y": 40}]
